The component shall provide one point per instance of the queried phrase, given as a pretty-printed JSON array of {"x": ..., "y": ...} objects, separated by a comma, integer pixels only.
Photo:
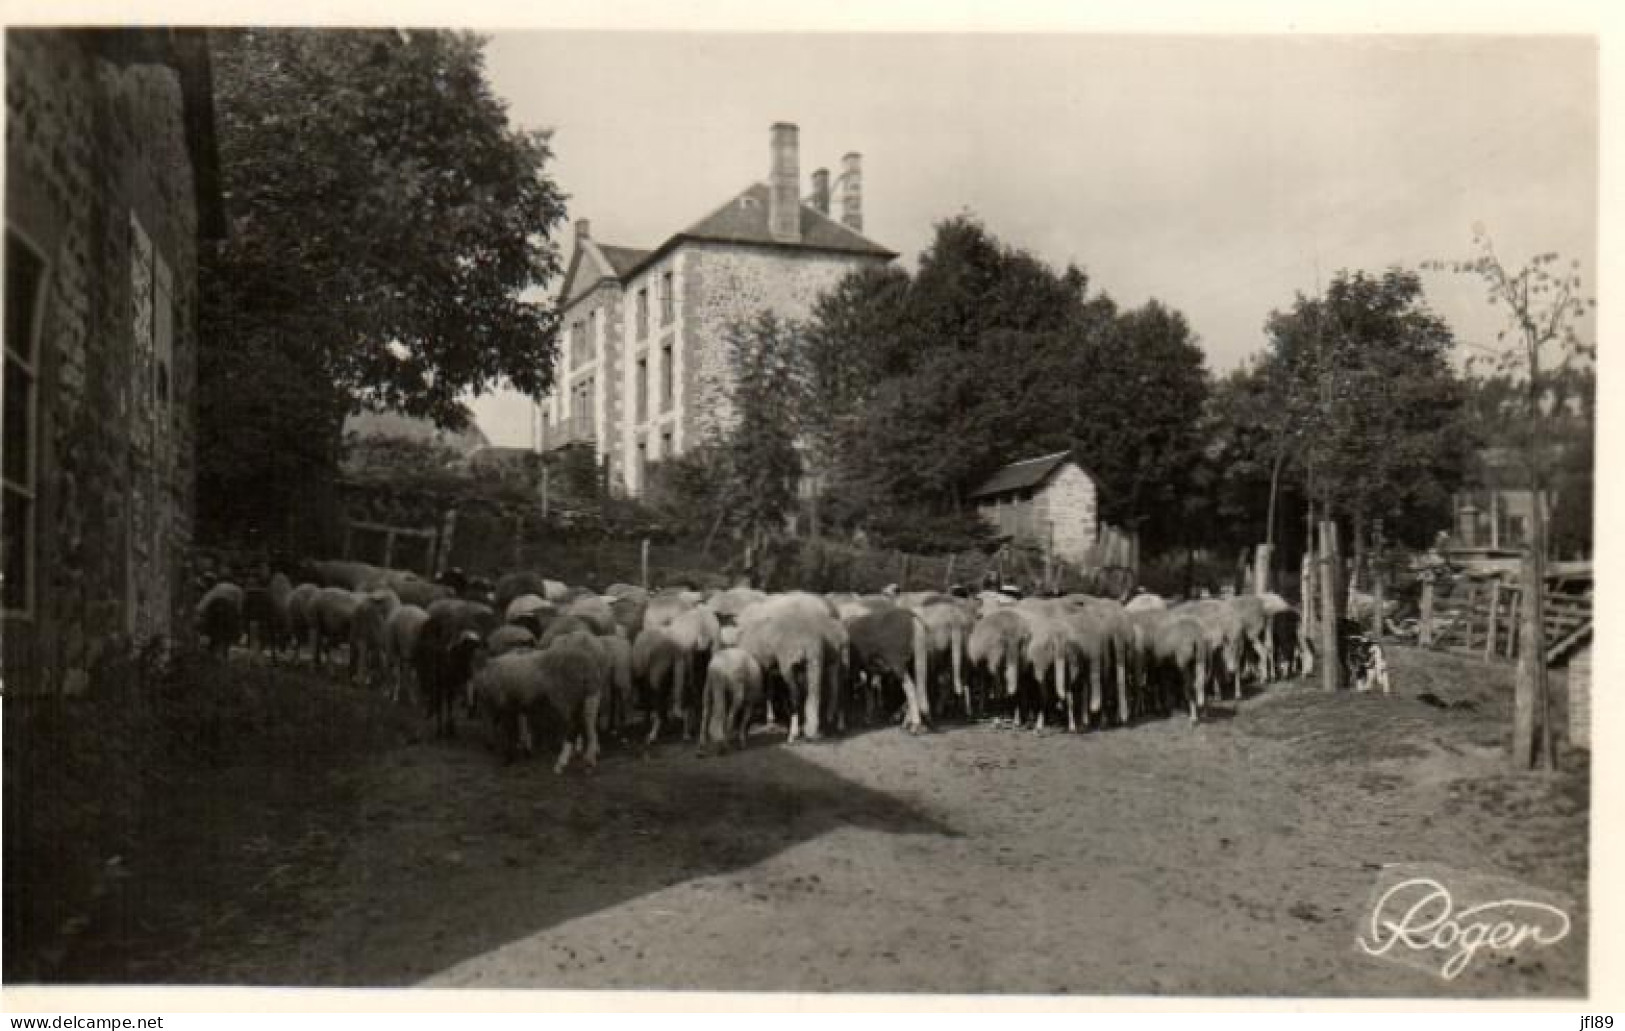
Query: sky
[{"x": 1221, "y": 175}]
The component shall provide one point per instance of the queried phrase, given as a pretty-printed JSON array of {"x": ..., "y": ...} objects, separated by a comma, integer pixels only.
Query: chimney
[
  {"x": 784, "y": 185},
  {"x": 820, "y": 191},
  {"x": 852, "y": 192},
  {"x": 583, "y": 229}
]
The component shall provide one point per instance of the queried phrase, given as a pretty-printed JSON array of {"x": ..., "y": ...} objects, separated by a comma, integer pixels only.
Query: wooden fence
[{"x": 1481, "y": 619}]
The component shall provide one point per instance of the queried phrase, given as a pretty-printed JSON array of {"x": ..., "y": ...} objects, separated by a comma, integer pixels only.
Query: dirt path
[{"x": 1232, "y": 858}]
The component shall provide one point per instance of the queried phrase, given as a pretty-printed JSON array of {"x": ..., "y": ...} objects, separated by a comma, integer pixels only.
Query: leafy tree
[
  {"x": 768, "y": 387},
  {"x": 384, "y": 221},
  {"x": 924, "y": 385},
  {"x": 1369, "y": 404}
]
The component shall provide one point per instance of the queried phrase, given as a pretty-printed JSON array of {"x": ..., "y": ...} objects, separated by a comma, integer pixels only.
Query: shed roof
[{"x": 1029, "y": 472}]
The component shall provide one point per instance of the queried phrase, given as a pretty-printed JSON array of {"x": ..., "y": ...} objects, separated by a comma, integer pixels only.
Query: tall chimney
[
  {"x": 852, "y": 192},
  {"x": 784, "y": 185},
  {"x": 820, "y": 191}
]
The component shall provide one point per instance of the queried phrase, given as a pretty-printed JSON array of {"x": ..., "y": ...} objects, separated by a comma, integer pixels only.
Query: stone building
[
  {"x": 1044, "y": 502},
  {"x": 111, "y": 181},
  {"x": 642, "y": 371}
]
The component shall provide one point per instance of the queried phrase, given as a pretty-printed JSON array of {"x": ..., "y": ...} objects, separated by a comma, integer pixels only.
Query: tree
[
  {"x": 1544, "y": 304},
  {"x": 385, "y": 220},
  {"x": 768, "y": 385},
  {"x": 1369, "y": 404}
]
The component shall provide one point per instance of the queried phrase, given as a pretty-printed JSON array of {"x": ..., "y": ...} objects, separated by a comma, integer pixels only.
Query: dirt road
[{"x": 1236, "y": 857}]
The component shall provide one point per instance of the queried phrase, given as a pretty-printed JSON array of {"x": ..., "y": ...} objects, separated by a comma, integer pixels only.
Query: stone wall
[
  {"x": 89, "y": 145},
  {"x": 1067, "y": 501},
  {"x": 723, "y": 283}
]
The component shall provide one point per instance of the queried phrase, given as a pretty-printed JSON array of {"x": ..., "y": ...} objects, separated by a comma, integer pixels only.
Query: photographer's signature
[{"x": 1417, "y": 919}]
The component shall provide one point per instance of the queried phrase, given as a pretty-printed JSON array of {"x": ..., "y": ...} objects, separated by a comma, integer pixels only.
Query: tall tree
[
  {"x": 767, "y": 364},
  {"x": 1365, "y": 381},
  {"x": 385, "y": 222},
  {"x": 1545, "y": 304}
]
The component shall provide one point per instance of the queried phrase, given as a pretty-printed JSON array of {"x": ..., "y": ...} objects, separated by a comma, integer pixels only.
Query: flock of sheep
[{"x": 542, "y": 659}]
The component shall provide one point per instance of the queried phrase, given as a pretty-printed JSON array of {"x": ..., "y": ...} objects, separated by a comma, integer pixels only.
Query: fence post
[
  {"x": 902, "y": 576},
  {"x": 345, "y": 550},
  {"x": 448, "y": 531},
  {"x": 948, "y": 577},
  {"x": 643, "y": 562},
  {"x": 1331, "y": 594},
  {"x": 1424, "y": 634},
  {"x": 1262, "y": 556},
  {"x": 1491, "y": 627},
  {"x": 389, "y": 549}
]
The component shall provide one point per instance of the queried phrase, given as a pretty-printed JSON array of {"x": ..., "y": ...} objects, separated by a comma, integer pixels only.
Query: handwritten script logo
[{"x": 1416, "y": 920}]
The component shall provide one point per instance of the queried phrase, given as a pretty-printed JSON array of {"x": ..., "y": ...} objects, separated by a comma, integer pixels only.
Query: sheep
[
  {"x": 998, "y": 645},
  {"x": 733, "y": 689},
  {"x": 333, "y": 613},
  {"x": 615, "y": 653},
  {"x": 595, "y": 612},
  {"x": 557, "y": 687},
  {"x": 301, "y": 613},
  {"x": 663, "y": 607},
  {"x": 658, "y": 663},
  {"x": 351, "y": 576},
  {"x": 220, "y": 616},
  {"x": 448, "y": 647},
  {"x": 516, "y": 585},
  {"x": 507, "y": 638},
  {"x": 530, "y": 611},
  {"x": 794, "y": 635},
  {"x": 422, "y": 593},
  {"x": 561, "y": 625},
  {"x": 368, "y": 634},
  {"x": 886, "y": 642},
  {"x": 401, "y": 631}
]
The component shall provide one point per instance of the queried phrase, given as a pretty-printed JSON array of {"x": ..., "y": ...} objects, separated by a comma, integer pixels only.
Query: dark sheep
[
  {"x": 450, "y": 643},
  {"x": 220, "y": 617}
]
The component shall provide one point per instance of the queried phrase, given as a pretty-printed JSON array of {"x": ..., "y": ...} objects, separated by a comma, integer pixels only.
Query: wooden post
[
  {"x": 643, "y": 562},
  {"x": 902, "y": 576},
  {"x": 389, "y": 549},
  {"x": 546, "y": 473},
  {"x": 1490, "y": 627},
  {"x": 1379, "y": 590},
  {"x": 1530, "y": 666},
  {"x": 345, "y": 551},
  {"x": 1424, "y": 636},
  {"x": 1331, "y": 598},
  {"x": 448, "y": 531},
  {"x": 948, "y": 577},
  {"x": 1308, "y": 593}
]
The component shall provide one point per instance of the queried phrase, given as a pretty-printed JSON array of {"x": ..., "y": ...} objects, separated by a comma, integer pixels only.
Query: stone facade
[
  {"x": 666, "y": 312},
  {"x": 726, "y": 284},
  {"x": 100, "y": 193}
]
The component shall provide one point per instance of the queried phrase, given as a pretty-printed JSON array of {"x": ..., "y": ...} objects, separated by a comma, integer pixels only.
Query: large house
[
  {"x": 111, "y": 180},
  {"x": 643, "y": 371},
  {"x": 1048, "y": 502}
]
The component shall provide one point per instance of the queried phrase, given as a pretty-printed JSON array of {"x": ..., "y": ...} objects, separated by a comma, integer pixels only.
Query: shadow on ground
[{"x": 433, "y": 853}]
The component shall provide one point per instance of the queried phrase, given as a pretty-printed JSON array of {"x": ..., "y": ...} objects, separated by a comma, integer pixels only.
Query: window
[
  {"x": 642, "y": 389},
  {"x": 592, "y": 335},
  {"x": 667, "y": 379},
  {"x": 667, "y": 302},
  {"x": 643, "y": 313},
  {"x": 25, "y": 276},
  {"x": 665, "y": 444},
  {"x": 643, "y": 464},
  {"x": 578, "y": 339}
]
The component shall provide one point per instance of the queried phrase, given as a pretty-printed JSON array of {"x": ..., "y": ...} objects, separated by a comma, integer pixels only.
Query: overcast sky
[{"x": 1220, "y": 175}]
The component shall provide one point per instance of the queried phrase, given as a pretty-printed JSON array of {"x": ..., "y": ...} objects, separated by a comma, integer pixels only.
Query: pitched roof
[
  {"x": 623, "y": 259},
  {"x": 744, "y": 220},
  {"x": 1029, "y": 472}
]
